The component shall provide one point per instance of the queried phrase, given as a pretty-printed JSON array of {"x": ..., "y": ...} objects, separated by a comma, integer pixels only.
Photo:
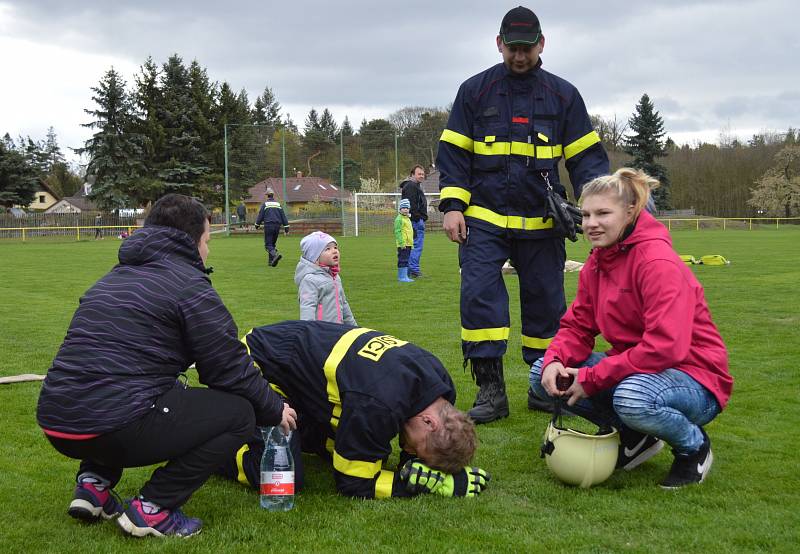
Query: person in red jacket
[{"x": 666, "y": 374}]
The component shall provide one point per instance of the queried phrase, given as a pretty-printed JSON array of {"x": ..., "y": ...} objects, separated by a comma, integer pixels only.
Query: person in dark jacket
[
  {"x": 115, "y": 395},
  {"x": 272, "y": 217},
  {"x": 355, "y": 390},
  {"x": 498, "y": 161},
  {"x": 411, "y": 189}
]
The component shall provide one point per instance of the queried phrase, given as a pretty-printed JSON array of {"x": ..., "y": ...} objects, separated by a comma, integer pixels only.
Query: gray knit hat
[{"x": 314, "y": 243}]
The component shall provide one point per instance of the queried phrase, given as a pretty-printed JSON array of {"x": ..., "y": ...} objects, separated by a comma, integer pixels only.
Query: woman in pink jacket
[{"x": 666, "y": 374}]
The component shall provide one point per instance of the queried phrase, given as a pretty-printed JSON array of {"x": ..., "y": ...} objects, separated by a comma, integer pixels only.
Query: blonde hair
[
  {"x": 452, "y": 446},
  {"x": 631, "y": 186}
]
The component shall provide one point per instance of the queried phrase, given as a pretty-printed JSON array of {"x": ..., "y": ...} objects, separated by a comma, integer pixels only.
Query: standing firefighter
[
  {"x": 355, "y": 390},
  {"x": 272, "y": 217},
  {"x": 498, "y": 158}
]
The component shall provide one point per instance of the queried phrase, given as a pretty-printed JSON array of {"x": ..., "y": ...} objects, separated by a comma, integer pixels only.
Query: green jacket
[{"x": 403, "y": 233}]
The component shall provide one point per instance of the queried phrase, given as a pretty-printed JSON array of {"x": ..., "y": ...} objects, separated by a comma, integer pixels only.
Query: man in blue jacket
[
  {"x": 498, "y": 158},
  {"x": 272, "y": 217},
  {"x": 115, "y": 395}
]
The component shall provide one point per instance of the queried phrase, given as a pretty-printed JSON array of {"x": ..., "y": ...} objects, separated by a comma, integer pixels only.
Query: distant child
[
  {"x": 319, "y": 286},
  {"x": 404, "y": 238}
]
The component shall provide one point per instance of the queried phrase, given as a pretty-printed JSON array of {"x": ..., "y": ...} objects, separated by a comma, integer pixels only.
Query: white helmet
[{"x": 580, "y": 459}]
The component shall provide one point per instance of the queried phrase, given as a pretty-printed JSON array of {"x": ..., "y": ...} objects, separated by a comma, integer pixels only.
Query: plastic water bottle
[{"x": 277, "y": 471}]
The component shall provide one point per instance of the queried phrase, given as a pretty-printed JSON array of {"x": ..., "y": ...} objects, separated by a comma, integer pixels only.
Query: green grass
[{"x": 749, "y": 502}]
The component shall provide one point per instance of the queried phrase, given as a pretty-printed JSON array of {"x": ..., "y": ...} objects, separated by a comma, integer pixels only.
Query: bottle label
[{"x": 277, "y": 483}]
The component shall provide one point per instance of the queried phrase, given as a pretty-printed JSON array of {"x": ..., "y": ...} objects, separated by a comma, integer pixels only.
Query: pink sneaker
[{"x": 142, "y": 518}]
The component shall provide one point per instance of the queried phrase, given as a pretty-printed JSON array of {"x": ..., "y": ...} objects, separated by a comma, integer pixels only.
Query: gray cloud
[{"x": 707, "y": 64}]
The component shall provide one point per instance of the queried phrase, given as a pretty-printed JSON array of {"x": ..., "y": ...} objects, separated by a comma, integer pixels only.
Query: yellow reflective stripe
[
  {"x": 455, "y": 192},
  {"x": 536, "y": 342},
  {"x": 518, "y": 149},
  {"x": 542, "y": 137},
  {"x": 510, "y": 221},
  {"x": 478, "y": 335},
  {"x": 241, "y": 477},
  {"x": 457, "y": 139},
  {"x": 493, "y": 148},
  {"x": 581, "y": 144},
  {"x": 383, "y": 485},
  {"x": 329, "y": 445},
  {"x": 523, "y": 149},
  {"x": 355, "y": 468},
  {"x": 489, "y": 138},
  {"x": 332, "y": 363},
  {"x": 244, "y": 340},
  {"x": 277, "y": 389}
]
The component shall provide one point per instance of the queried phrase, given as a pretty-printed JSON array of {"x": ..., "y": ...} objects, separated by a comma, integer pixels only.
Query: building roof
[{"x": 298, "y": 189}]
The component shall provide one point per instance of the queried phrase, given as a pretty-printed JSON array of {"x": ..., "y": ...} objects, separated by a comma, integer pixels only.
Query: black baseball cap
[{"x": 520, "y": 26}]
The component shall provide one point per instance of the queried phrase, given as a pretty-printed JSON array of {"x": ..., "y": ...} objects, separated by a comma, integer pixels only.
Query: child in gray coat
[{"x": 320, "y": 291}]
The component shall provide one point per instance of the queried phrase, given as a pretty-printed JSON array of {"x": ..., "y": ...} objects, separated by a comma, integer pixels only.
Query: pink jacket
[{"x": 649, "y": 306}]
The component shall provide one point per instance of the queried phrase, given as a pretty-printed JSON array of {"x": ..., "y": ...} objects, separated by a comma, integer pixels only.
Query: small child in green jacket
[{"x": 404, "y": 238}]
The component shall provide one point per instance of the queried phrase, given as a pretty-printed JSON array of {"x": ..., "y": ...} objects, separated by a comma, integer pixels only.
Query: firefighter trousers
[{"x": 485, "y": 319}]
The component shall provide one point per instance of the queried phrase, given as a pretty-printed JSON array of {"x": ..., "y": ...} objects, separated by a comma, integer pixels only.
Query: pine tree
[
  {"x": 328, "y": 126},
  {"x": 148, "y": 99},
  {"x": 18, "y": 179},
  {"x": 115, "y": 149},
  {"x": 645, "y": 144},
  {"x": 267, "y": 110},
  {"x": 347, "y": 129},
  {"x": 52, "y": 150},
  {"x": 182, "y": 163}
]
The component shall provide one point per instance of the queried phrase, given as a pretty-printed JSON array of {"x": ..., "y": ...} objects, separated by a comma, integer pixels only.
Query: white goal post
[{"x": 375, "y": 211}]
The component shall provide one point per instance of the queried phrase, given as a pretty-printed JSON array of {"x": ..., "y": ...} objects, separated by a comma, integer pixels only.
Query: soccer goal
[{"x": 374, "y": 212}]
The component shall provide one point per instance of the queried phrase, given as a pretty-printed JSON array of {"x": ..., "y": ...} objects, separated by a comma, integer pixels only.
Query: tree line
[{"x": 170, "y": 130}]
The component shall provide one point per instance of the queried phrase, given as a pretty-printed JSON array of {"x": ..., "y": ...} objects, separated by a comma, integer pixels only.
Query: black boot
[{"x": 491, "y": 403}]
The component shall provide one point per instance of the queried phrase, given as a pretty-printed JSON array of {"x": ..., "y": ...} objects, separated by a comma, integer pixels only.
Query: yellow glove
[{"x": 420, "y": 479}]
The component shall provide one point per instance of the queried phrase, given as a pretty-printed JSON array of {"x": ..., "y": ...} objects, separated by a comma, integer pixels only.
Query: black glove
[
  {"x": 566, "y": 218},
  {"x": 285, "y": 230},
  {"x": 258, "y": 226}
]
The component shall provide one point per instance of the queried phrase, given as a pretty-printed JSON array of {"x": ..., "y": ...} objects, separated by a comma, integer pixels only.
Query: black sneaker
[
  {"x": 690, "y": 468},
  {"x": 415, "y": 274},
  {"x": 275, "y": 260},
  {"x": 636, "y": 448}
]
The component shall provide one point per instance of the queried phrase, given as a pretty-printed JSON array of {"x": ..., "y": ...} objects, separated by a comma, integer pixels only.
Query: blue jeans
[
  {"x": 669, "y": 405},
  {"x": 416, "y": 251}
]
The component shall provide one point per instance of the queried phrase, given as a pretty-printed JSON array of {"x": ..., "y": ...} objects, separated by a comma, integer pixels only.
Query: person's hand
[
  {"x": 549, "y": 374},
  {"x": 288, "y": 419},
  {"x": 257, "y": 226},
  {"x": 285, "y": 230},
  {"x": 420, "y": 479},
  {"x": 575, "y": 392},
  {"x": 454, "y": 226}
]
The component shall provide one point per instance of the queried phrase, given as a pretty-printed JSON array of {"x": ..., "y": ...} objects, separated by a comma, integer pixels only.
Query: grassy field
[{"x": 748, "y": 503}]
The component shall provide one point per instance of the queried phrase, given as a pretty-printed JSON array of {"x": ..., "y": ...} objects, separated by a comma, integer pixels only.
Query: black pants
[
  {"x": 194, "y": 430},
  {"x": 271, "y": 232}
]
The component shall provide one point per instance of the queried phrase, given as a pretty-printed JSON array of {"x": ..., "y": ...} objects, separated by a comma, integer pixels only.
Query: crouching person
[
  {"x": 113, "y": 397},
  {"x": 354, "y": 390},
  {"x": 666, "y": 374}
]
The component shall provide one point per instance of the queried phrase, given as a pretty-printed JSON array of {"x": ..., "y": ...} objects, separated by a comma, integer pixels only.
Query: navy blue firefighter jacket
[{"x": 506, "y": 132}]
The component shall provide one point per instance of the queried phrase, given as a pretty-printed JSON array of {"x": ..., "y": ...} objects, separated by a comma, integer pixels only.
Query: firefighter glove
[
  {"x": 421, "y": 479},
  {"x": 566, "y": 217}
]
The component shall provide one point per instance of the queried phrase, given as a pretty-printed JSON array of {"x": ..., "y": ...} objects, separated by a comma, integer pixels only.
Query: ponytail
[{"x": 631, "y": 186}]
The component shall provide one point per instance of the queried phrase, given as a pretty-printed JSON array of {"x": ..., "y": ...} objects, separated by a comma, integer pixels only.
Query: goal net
[{"x": 373, "y": 213}]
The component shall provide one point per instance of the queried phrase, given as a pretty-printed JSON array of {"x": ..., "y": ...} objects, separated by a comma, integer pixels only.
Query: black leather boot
[{"x": 491, "y": 403}]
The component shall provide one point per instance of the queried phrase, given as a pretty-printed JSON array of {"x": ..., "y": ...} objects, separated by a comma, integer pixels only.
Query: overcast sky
[{"x": 729, "y": 66}]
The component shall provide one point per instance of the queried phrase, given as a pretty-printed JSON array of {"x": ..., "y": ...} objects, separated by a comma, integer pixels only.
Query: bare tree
[{"x": 777, "y": 193}]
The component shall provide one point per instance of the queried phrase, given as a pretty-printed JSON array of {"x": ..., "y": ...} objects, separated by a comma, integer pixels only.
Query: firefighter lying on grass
[{"x": 354, "y": 390}]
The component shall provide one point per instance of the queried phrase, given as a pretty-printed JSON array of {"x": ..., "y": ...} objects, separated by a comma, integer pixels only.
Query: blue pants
[
  {"x": 402, "y": 256},
  {"x": 485, "y": 320},
  {"x": 416, "y": 251},
  {"x": 669, "y": 405}
]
